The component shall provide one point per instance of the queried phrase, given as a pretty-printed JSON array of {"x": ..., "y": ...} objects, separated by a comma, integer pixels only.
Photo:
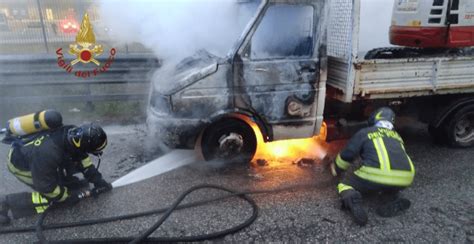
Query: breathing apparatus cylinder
[{"x": 35, "y": 122}]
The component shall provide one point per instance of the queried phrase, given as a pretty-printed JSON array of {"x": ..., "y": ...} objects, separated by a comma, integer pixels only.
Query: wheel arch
[
  {"x": 445, "y": 112},
  {"x": 243, "y": 115}
]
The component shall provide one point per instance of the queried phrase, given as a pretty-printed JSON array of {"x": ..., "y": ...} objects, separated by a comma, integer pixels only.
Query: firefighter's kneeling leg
[
  {"x": 352, "y": 200},
  {"x": 26, "y": 204}
]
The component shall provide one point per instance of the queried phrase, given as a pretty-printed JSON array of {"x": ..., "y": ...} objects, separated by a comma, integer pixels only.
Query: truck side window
[{"x": 285, "y": 31}]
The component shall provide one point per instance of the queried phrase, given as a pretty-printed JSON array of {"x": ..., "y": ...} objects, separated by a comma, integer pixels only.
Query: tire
[
  {"x": 459, "y": 128},
  {"x": 210, "y": 142}
]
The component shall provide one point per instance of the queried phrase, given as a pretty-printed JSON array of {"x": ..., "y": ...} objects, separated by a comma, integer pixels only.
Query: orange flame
[{"x": 291, "y": 150}]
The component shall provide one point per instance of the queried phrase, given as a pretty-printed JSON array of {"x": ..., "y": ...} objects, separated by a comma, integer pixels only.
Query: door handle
[
  {"x": 308, "y": 68},
  {"x": 260, "y": 70}
]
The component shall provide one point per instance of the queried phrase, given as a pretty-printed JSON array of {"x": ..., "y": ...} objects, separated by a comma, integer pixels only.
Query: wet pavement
[{"x": 442, "y": 199}]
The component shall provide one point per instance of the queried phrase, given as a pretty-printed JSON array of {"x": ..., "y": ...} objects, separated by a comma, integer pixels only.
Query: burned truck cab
[{"x": 272, "y": 82}]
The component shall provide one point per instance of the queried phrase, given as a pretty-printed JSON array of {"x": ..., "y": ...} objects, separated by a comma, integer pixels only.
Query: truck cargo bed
[{"x": 400, "y": 78}]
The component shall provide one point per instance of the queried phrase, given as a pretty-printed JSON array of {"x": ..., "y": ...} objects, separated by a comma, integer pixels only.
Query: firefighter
[
  {"x": 47, "y": 164},
  {"x": 385, "y": 170}
]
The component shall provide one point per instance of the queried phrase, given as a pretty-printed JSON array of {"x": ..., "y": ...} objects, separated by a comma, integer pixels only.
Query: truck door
[{"x": 276, "y": 69}]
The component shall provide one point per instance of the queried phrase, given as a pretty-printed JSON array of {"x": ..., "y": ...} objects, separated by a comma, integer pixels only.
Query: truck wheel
[
  {"x": 460, "y": 128},
  {"x": 231, "y": 140}
]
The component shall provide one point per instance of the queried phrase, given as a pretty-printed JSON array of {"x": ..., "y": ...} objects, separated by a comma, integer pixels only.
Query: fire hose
[{"x": 144, "y": 237}]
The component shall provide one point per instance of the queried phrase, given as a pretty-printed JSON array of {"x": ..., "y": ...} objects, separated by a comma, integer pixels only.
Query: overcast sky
[
  {"x": 180, "y": 27},
  {"x": 376, "y": 16}
]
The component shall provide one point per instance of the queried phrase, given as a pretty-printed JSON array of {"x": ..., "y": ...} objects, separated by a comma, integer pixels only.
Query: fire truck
[{"x": 298, "y": 64}]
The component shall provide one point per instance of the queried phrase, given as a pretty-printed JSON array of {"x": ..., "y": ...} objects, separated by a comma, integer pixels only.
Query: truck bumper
[{"x": 174, "y": 132}]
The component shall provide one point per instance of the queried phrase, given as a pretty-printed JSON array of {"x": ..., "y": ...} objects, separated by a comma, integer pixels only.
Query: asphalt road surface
[{"x": 442, "y": 199}]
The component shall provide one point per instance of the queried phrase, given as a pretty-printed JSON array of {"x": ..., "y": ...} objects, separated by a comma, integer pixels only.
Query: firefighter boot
[
  {"x": 394, "y": 207},
  {"x": 4, "y": 219},
  {"x": 352, "y": 200}
]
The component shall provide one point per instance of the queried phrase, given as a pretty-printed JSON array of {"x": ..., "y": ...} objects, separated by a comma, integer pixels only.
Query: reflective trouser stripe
[
  {"x": 382, "y": 154},
  {"x": 23, "y": 176},
  {"x": 343, "y": 187},
  {"x": 87, "y": 162},
  {"x": 58, "y": 194},
  {"x": 392, "y": 177},
  {"x": 341, "y": 163},
  {"x": 41, "y": 203}
]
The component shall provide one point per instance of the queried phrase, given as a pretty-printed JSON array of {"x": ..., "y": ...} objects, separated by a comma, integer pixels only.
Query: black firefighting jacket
[
  {"x": 384, "y": 159},
  {"x": 44, "y": 161}
]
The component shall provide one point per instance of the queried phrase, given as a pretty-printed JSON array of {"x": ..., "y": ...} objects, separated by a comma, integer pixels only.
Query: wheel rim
[
  {"x": 464, "y": 130},
  {"x": 230, "y": 140},
  {"x": 230, "y": 145}
]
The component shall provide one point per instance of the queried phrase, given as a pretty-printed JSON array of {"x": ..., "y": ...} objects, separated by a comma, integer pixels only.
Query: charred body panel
[
  {"x": 279, "y": 88},
  {"x": 280, "y": 79}
]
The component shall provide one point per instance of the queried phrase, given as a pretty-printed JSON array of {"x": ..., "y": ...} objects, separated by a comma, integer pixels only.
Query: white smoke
[
  {"x": 375, "y": 20},
  {"x": 175, "y": 29}
]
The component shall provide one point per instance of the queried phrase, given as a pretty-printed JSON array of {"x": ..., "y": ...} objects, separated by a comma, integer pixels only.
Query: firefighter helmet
[
  {"x": 89, "y": 138},
  {"x": 383, "y": 113}
]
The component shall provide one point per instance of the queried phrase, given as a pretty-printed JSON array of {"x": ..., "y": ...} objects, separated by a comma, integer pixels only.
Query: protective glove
[
  {"x": 76, "y": 196},
  {"x": 100, "y": 187}
]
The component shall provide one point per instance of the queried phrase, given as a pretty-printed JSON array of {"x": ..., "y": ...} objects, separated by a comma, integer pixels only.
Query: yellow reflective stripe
[
  {"x": 44, "y": 202},
  {"x": 35, "y": 199},
  {"x": 379, "y": 152},
  {"x": 23, "y": 176},
  {"x": 16, "y": 171},
  {"x": 25, "y": 180},
  {"x": 40, "y": 202},
  {"x": 343, "y": 187},
  {"x": 102, "y": 146},
  {"x": 54, "y": 193},
  {"x": 86, "y": 162},
  {"x": 42, "y": 120},
  {"x": 382, "y": 154},
  {"x": 65, "y": 195},
  {"x": 341, "y": 163},
  {"x": 412, "y": 167},
  {"x": 385, "y": 155},
  {"x": 392, "y": 177}
]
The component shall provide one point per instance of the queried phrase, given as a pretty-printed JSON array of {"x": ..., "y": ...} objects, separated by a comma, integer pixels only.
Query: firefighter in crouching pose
[
  {"x": 47, "y": 163},
  {"x": 386, "y": 169}
]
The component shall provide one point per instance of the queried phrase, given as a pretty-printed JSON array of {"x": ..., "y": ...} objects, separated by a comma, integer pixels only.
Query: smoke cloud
[
  {"x": 375, "y": 20},
  {"x": 175, "y": 29}
]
